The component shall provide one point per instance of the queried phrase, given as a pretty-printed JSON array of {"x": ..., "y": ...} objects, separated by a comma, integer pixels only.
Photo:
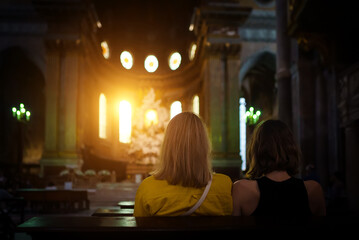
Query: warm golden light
[
  {"x": 176, "y": 108},
  {"x": 102, "y": 116},
  {"x": 195, "y": 105},
  {"x": 151, "y": 63},
  {"x": 125, "y": 115},
  {"x": 151, "y": 117},
  {"x": 126, "y": 59},
  {"x": 192, "y": 51},
  {"x": 175, "y": 61},
  {"x": 105, "y": 49}
]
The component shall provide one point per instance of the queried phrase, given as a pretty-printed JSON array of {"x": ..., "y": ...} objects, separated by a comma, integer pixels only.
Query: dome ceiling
[{"x": 146, "y": 27}]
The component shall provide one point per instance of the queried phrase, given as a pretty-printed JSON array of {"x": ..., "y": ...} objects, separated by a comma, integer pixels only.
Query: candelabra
[
  {"x": 21, "y": 114},
  {"x": 22, "y": 117},
  {"x": 251, "y": 117}
]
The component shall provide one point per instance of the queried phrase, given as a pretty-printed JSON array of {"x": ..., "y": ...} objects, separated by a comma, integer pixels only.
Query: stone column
[
  {"x": 52, "y": 79},
  {"x": 221, "y": 103},
  {"x": 283, "y": 64},
  {"x": 303, "y": 99},
  {"x": 233, "y": 64},
  {"x": 61, "y": 104},
  {"x": 68, "y": 100},
  {"x": 321, "y": 128},
  {"x": 348, "y": 109},
  {"x": 215, "y": 103}
]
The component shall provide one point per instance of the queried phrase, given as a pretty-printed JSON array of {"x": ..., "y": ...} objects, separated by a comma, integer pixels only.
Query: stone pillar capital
[
  {"x": 223, "y": 49},
  {"x": 63, "y": 44}
]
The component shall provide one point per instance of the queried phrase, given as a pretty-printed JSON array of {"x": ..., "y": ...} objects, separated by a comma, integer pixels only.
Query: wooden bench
[
  {"x": 80, "y": 227},
  {"x": 126, "y": 204},
  {"x": 55, "y": 200},
  {"x": 113, "y": 212}
]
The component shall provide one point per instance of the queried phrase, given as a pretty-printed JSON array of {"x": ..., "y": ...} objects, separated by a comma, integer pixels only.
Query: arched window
[
  {"x": 105, "y": 50},
  {"x": 125, "y": 115},
  {"x": 192, "y": 51},
  {"x": 102, "y": 116},
  {"x": 195, "y": 104},
  {"x": 176, "y": 108}
]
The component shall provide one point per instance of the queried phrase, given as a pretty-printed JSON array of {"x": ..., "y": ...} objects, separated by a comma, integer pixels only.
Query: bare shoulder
[
  {"x": 314, "y": 190},
  {"x": 315, "y": 197},
  {"x": 245, "y": 195},
  {"x": 244, "y": 185},
  {"x": 312, "y": 186},
  {"x": 243, "y": 182}
]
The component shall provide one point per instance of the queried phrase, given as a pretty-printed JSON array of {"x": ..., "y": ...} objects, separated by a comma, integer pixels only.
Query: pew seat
[{"x": 89, "y": 227}]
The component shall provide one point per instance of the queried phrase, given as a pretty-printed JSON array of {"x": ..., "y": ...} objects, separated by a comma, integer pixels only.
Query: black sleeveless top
[{"x": 286, "y": 198}]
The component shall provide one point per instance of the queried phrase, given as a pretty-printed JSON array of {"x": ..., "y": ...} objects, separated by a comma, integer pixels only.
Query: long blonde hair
[{"x": 185, "y": 152}]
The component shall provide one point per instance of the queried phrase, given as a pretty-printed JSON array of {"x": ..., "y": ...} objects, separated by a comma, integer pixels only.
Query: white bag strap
[{"x": 204, "y": 195}]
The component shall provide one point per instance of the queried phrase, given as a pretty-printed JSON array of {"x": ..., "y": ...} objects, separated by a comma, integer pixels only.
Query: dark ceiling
[{"x": 146, "y": 27}]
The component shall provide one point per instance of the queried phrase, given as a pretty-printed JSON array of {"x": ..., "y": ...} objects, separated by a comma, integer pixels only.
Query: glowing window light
[
  {"x": 105, "y": 50},
  {"x": 151, "y": 117},
  {"x": 242, "y": 132},
  {"x": 125, "y": 115},
  {"x": 176, "y": 108},
  {"x": 151, "y": 63},
  {"x": 102, "y": 116},
  {"x": 192, "y": 51},
  {"x": 195, "y": 104},
  {"x": 174, "y": 61},
  {"x": 126, "y": 59}
]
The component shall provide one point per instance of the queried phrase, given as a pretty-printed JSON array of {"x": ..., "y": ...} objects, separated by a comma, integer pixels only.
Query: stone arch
[
  {"x": 257, "y": 82},
  {"x": 21, "y": 82}
]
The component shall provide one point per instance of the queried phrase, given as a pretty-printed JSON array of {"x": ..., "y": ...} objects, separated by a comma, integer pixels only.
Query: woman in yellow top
[{"x": 183, "y": 174}]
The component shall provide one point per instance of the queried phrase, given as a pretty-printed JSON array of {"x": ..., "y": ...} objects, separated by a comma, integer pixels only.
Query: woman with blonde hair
[
  {"x": 272, "y": 188},
  {"x": 184, "y": 183}
]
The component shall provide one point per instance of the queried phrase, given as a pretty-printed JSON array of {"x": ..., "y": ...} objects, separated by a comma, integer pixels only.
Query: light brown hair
[
  {"x": 185, "y": 152},
  {"x": 272, "y": 148}
]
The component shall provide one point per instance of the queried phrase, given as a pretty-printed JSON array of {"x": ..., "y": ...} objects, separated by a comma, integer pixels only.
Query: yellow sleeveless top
[{"x": 158, "y": 198}]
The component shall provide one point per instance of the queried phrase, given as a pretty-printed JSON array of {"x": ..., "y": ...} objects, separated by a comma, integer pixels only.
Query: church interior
[{"x": 89, "y": 86}]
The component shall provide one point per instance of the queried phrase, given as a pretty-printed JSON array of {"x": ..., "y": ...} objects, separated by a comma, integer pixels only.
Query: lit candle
[{"x": 28, "y": 116}]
